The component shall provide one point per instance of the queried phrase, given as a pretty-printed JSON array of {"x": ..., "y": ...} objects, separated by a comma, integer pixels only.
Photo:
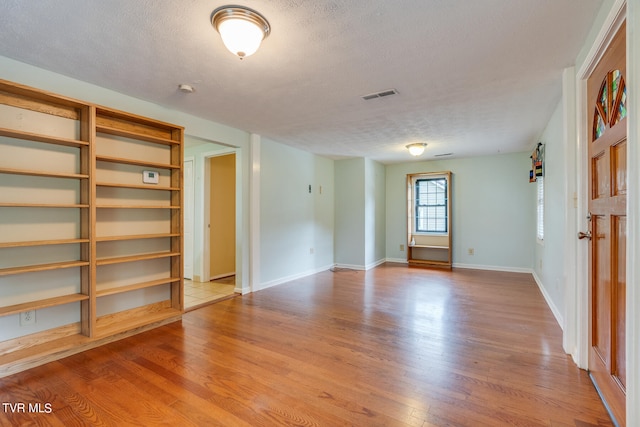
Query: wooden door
[{"x": 607, "y": 206}]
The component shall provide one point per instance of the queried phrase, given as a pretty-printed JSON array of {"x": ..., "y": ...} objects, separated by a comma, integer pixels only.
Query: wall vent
[
  {"x": 380, "y": 94},
  {"x": 443, "y": 155}
]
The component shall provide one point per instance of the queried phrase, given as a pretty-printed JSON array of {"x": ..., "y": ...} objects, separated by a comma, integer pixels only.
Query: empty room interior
[{"x": 320, "y": 213}]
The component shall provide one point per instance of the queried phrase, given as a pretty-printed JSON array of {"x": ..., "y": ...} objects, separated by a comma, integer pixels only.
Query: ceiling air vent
[
  {"x": 443, "y": 155},
  {"x": 380, "y": 94}
]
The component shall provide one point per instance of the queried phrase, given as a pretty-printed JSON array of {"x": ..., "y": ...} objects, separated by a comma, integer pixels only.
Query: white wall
[
  {"x": 493, "y": 210},
  {"x": 296, "y": 225},
  {"x": 349, "y": 234},
  {"x": 548, "y": 265},
  {"x": 360, "y": 213},
  {"x": 375, "y": 213}
]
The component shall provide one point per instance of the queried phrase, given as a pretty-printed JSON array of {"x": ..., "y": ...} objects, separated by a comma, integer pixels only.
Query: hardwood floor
[{"x": 393, "y": 346}]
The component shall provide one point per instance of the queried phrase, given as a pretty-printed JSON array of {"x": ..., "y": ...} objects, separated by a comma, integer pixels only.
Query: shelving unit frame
[{"x": 85, "y": 127}]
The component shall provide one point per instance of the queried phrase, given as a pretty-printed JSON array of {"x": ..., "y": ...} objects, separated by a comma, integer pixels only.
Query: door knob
[{"x": 586, "y": 235}]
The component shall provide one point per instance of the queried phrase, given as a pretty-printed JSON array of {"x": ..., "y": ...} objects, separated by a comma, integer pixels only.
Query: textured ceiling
[{"x": 474, "y": 77}]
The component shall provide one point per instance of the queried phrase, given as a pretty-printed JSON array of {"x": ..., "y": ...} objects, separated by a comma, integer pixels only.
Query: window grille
[
  {"x": 431, "y": 205},
  {"x": 540, "y": 208}
]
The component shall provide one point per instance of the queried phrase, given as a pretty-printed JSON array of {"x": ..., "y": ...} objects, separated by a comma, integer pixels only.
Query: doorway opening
[{"x": 211, "y": 255}]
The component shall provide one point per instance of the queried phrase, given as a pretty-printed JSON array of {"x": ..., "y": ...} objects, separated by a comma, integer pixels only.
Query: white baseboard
[
  {"x": 547, "y": 298},
  {"x": 222, "y": 276},
  {"x": 242, "y": 291},
  {"x": 351, "y": 266},
  {"x": 361, "y": 267},
  {"x": 375, "y": 264},
  {"x": 397, "y": 260},
  {"x": 286, "y": 279},
  {"x": 493, "y": 268}
]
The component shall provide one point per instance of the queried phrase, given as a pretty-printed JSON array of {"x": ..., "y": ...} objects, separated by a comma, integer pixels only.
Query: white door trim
[
  {"x": 189, "y": 210},
  {"x": 633, "y": 214}
]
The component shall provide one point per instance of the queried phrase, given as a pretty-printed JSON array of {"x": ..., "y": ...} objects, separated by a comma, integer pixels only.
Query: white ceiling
[{"x": 474, "y": 77}]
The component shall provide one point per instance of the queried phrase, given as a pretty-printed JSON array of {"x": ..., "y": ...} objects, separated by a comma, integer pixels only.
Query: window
[
  {"x": 431, "y": 205},
  {"x": 611, "y": 106},
  {"x": 540, "y": 208}
]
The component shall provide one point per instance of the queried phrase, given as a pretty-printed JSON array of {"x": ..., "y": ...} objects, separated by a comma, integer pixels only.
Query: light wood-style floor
[
  {"x": 393, "y": 346},
  {"x": 198, "y": 294}
]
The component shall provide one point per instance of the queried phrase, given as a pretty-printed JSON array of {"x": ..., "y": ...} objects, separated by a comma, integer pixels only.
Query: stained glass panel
[
  {"x": 599, "y": 126},
  {"x": 610, "y": 109},
  {"x": 603, "y": 98},
  {"x": 615, "y": 84},
  {"x": 622, "y": 107}
]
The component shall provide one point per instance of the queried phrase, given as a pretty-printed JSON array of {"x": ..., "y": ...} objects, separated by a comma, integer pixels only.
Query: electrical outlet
[
  {"x": 312, "y": 251},
  {"x": 402, "y": 248},
  {"x": 471, "y": 251},
  {"x": 28, "y": 318}
]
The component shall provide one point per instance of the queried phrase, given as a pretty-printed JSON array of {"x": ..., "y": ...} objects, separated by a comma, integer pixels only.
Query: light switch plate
[{"x": 150, "y": 177}]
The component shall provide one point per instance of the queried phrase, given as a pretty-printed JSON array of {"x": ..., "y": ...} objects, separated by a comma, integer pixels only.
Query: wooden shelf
[
  {"x": 44, "y": 174},
  {"x": 143, "y": 285},
  {"x": 136, "y": 207},
  {"x": 429, "y": 246},
  {"x": 41, "y": 267},
  {"x": 132, "y": 258},
  {"x": 42, "y": 243},
  {"x": 54, "y": 123},
  {"x": 166, "y": 315},
  {"x": 43, "y": 303},
  {"x": 139, "y": 317},
  {"x": 135, "y": 237},
  {"x": 41, "y": 205},
  {"x": 136, "y": 162},
  {"x": 135, "y": 135},
  {"x": 18, "y": 134},
  {"x": 137, "y": 186}
]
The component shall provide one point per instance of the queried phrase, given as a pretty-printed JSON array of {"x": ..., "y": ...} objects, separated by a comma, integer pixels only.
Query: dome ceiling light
[
  {"x": 241, "y": 29},
  {"x": 416, "y": 149}
]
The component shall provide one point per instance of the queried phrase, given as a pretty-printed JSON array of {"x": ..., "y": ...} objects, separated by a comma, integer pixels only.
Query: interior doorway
[{"x": 215, "y": 206}]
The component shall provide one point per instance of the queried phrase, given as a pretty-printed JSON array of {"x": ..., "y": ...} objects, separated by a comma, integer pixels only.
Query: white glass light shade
[
  {"x": 241, "y": 37},
  {"x": 416, "y": 149},
  {"x": 242, "y": 29}
]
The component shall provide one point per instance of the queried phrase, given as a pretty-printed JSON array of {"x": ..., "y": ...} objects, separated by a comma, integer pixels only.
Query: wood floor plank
[{"x": 393, "y": 346}]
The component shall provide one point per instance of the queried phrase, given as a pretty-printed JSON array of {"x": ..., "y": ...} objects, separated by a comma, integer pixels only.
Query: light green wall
[
  {"x": 493, "y": 210},
  {"x": 375, "y": 213},
  {"x": 548, "y": 263},
  {"x": 296, "y": 225},
  {"x": 360, "y": 213},
  {"x": 349, "y": 235}
]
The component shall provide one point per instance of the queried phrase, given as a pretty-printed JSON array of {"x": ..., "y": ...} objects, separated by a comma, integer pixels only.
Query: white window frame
[{"x": 540, "y": 209}]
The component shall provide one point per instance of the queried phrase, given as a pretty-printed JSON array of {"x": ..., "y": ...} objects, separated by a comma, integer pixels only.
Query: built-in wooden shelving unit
[{"x": 84, "y": 240}]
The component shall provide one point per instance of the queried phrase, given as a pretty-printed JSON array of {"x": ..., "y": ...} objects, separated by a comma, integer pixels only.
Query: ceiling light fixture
[
  {"x": 242, "y": 29},
  {"x": 416, "y": 149}
]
